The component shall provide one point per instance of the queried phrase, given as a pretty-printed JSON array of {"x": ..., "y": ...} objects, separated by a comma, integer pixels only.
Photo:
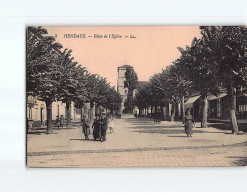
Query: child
[{"x": 110, "y": 125}]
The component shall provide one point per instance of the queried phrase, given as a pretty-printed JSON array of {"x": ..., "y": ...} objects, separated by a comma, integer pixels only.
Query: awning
[
  {"x": 212, "y": 97},
  {"x": 191, "y": 100}
]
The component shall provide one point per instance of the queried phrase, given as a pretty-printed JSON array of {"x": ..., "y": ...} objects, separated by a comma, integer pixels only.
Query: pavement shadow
[
  {"x": 81, "y": 139},
  {"x": 156, "y": 126},
  {"x": 227, "y": 126},
  {"x": 40, "y": 133},
  {"x": 194, "y": 140},
  {"x": 146, "y": 125},
  {"x": 240, "y": 160},
  {"x": 36, "y": 132},
  {"x": 54, "y": 128},
  {"x": 137, "y": 119},
  {"x": 169, "y": 131}
]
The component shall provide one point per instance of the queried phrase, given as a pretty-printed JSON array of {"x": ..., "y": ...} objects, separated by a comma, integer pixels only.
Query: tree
[
  {"x": 94, "y": 86},
  {"x": 69, "y": 81},
  {"x": 82, "y": 92},
  {"x": 157, "y": 90},
  {"x": 113, "y": 100},
  {"x": 196, "y": 63},
  {"x": 43, "y": 68},
  {"x": 176, "y": 86},
  {"x": 141, "y": 97},
  {"x": 180, "y": 82},
  {"x": 131, "y": 83},
  {"x": 228, "y": 46},
  {"x": 100, "y": 92}
]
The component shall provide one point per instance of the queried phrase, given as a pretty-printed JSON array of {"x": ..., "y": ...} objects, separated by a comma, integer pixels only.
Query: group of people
[
  {"x": 59, "y": 121},
  {"x": 100, "y": 126}
]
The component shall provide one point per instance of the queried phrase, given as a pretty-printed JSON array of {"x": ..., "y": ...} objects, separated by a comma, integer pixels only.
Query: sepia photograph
[{"x": 136, "y": 96}]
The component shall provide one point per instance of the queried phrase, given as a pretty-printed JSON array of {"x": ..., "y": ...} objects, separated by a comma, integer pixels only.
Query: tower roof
[{"x": 125, "y": 66}]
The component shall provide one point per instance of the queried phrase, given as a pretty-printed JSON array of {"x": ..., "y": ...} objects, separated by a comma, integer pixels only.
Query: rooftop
[{"x": 125, "y": 66}]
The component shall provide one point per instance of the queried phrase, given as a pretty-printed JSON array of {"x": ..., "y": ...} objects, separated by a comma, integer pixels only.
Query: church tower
[{"x": 120, "y": 85}]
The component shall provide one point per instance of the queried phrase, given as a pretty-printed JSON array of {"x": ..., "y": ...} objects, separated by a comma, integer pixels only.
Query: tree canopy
[
  {"x": 214, "y": 63},
  {"x": 53, "y": 75}
]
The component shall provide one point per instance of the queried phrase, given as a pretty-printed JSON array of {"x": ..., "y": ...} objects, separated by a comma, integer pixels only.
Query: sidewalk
[{"x": 131, "y": 134}]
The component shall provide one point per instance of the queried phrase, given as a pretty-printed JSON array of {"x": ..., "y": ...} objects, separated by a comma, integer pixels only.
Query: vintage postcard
[{"x": 136, "y": 96}]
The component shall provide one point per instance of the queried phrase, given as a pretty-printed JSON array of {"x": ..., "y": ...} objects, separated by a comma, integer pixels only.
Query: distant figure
[
  {"x": 57, "y": 122},
  {"x": 156, "y": 118},
  {"x": 96, "y": 128},
  {"x": 61, "y": 120},
  {"x": 135, "y": 113},
  {"x": 85, "y": 126},
  {"x": 104, "y": 127},
  {"x": 189, "y": 122},
  {"x": 110, "y": 124}
]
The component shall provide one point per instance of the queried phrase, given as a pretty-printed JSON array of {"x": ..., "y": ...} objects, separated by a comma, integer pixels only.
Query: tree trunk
[
  {"x": 92, "y": 111},
  {"x": 183, "y": 110},
  {"x": 81, "y": 115},
  {"x": 173, "y": 112},
  {"x": 235, "y": 129},
  {"x": 162, "y": 112},
  {"x": 205, "y": 113},
  {"x": 232, "y": 107},
  {"x": 49, "y": 129},
  {"x": 68, "y": 114}
]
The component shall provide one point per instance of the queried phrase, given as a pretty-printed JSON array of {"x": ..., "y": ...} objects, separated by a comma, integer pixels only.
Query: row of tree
[
  {"x": 214, "y": 63},
  {"x": 53, "y": 75}
]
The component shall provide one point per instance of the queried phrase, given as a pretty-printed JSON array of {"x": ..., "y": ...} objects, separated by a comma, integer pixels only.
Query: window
[{"x": 243, "y": 108}]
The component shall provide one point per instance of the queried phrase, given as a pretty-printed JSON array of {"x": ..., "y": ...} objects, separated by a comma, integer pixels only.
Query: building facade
[
  {"x": 217, "y": 106},
  {"x": 36, "y": 111}
]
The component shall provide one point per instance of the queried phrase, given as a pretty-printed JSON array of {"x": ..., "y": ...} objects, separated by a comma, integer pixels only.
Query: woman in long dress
[
  {"x": 189, "y": 122},
  {"x": 96, "y": 128}
]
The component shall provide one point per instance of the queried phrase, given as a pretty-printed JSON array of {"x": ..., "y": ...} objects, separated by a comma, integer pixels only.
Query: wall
[{"x": 58, "y": 109}]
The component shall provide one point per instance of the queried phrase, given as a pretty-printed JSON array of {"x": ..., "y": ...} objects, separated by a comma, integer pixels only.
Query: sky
[{"x": 151, "y": 49}]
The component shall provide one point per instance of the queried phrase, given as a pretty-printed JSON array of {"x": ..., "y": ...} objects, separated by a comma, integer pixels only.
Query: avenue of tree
[
  {"x": 53, "y": 75},
  {"x": 214, "y": 63}
]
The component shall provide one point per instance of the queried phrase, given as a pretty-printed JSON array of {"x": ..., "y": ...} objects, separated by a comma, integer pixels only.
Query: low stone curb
[{"x": 132, "y": 149}]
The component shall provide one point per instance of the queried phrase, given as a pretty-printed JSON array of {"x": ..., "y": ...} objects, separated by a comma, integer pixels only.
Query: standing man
[
  {"x": 58, "y": 122},
  {"x": 85, "y": 126},
  {"x": 104, "y": 127},
  {"x": 61, "y": 120}
]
